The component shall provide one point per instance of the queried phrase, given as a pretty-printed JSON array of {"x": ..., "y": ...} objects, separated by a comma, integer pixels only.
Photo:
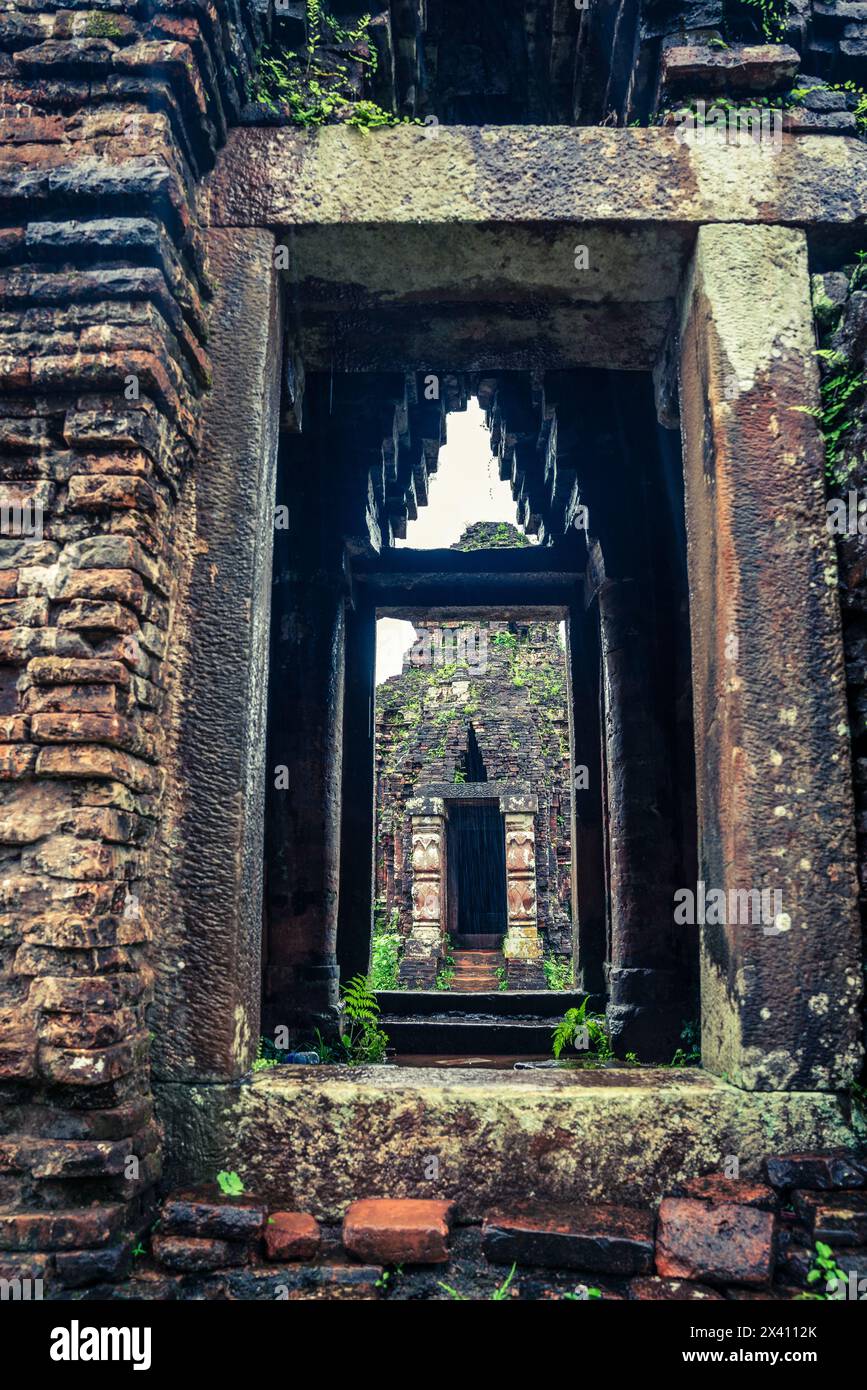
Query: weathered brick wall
[
  {"x": 515, "y": 701},
  {"x": 109, "y": 114}
]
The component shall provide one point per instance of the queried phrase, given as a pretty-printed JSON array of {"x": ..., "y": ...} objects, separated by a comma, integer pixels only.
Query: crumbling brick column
[
  {"x": 424, "y": 945},
  {"x": 779, "y": 997},
  {"x": 522, "y": 947},
  {"x": 108, "y": 120}
]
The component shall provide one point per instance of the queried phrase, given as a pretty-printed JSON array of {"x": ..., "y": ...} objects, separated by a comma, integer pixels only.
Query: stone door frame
[{"x": 779, "y": 1012}]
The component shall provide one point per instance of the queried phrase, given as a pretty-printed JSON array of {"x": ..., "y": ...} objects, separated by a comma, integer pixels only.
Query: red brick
[
  {"x": 604, "y": 1239},
  {"x": 716, "y": 1188},
  {"x": 292, "y": 1235},
  {"x": 60, "y": 1230},
  {"x": 839, "y": 1218},
  {"x": 718, "y": 1244},
  {"x": 398, "y": 1230}
]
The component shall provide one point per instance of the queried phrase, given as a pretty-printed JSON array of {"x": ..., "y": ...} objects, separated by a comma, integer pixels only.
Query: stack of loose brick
[
  {"x": 716, "y": 1238},
  {"x": 111, "y": 112}
]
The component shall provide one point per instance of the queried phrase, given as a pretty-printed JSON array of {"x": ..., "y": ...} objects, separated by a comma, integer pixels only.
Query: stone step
[
  {"x": 538, "y": 1004},
  {"x": 450, "y": 1036}
]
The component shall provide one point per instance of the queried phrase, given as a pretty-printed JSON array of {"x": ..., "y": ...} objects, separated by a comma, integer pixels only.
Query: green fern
[
  {"x": 568, "y": 1028},
  {"x": 359, "y": 1001},
  {"x": 361, "y": 1037}
]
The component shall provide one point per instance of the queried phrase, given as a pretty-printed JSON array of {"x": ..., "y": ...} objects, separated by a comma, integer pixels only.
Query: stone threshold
[{"x": 316, "y": 1139}]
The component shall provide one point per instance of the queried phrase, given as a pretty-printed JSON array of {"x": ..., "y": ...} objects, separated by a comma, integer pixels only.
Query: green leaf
[{"x": 230, "y": 1184}]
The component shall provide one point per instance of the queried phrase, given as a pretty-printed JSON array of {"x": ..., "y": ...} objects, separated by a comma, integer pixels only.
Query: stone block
[
  {"x": 603, "y": 1239},
  {"x": 719, "y": 1244},
  {"x": 840, "y": 1218},
  {"x": 816, "y": 1172},
  {"x": 78, "y": 1268},
  {"x": 209, "y": 1214},
  {"x": 718, "y": 1189},
  {"x": 291, "y": 1235},
  {"x": 60, "y": 1230},
  {"x": 192, "y": 1254},
  {"x": 742, "y": 68},
  {"x": 403, "y": 1230}
]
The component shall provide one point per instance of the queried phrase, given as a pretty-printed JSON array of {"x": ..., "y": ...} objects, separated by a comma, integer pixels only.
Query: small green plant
[
  {"x": 389, "y": 1277},
  {"x": 583, "y": 1294},
  {"x": 460, "y": 777},
  {"x": 265, "y": 1056},
  {"x": 324, "y": 1049},
  {"x": 558, "y": 972},
  {"x": 103, "y": 26},
  {"x": 631, "y": 1059},
  {"x": 824, "y": 1267},
  {"x": 772, "y": 16},
  {"x": 500, "y": 1293},
  {"x": 230, "y": 1184},
  {"x": 502, "y": 978},
  {"x": 586, "y": 1031},
  {"x": 138, "y": 1250},
  {"x": 362, "y": 1039},
  {"x": 690, "y": 1054},
  {"x": 445, "y": 976},
  {"x": 386, "y": 949}
]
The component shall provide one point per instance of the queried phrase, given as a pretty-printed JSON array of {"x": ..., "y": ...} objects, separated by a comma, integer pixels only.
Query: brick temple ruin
[
  {"x": 473, "y": 793},
  {"x": 235, "y": 316}
]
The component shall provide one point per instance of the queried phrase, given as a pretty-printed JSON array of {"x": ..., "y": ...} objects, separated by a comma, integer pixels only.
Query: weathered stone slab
[
  {"x": 565, "y": 1137},
  {"x": 527, "y": 174},
  {"x": 206, "y": 1015},
  {"x": 740, "y": 68},
  {"x": 719, "y": 1189},
  {"x": 780, "y": 995},
  {"x": 604, "y": 1239}
]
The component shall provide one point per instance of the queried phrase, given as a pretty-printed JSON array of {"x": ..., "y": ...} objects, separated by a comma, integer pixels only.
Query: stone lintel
[
  {"x": 286, "y": 178},
  {"x": 434, "y": 798}
]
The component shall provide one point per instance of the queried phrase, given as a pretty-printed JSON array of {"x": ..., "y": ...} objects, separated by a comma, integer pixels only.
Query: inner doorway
[{"x": 476, "y": 856}]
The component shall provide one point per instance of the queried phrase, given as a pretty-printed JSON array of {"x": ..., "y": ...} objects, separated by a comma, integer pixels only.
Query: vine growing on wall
[
  {"x": 323, "y": 83},
  {"x": 771, "y": 16}
]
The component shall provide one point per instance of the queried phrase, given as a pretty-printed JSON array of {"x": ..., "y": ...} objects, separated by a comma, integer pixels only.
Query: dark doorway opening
[{"x": 476, "y": 856}]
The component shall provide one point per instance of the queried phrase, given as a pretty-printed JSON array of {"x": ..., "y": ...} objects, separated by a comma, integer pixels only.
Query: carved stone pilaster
[
  {"x": 423, "y": 949},
  {"x": 522, "y": 947}
]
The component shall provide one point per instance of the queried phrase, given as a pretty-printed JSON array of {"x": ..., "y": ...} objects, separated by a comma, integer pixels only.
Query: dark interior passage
[{"x": 477, "y": 862}]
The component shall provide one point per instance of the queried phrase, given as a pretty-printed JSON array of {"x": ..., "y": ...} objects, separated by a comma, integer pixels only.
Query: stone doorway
[{"x": 476, "y": 856}]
